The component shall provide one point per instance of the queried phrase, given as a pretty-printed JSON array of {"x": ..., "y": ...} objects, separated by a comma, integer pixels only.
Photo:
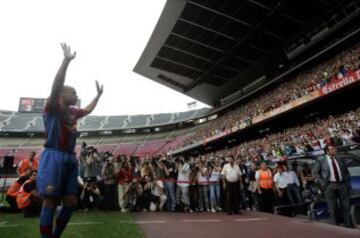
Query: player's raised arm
[
  {"x": 60, "y": 76},
  {"x": 89, "y": 108}
]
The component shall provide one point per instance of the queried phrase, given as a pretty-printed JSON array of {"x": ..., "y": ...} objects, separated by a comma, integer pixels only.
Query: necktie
[{"x": 336, "y": 172}]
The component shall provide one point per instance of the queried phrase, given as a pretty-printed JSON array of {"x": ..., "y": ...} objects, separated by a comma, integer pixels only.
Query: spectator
[
  {"x": 124, "y": 177},
  {"x": 281, "y": 180},
  {"x": 203, "y": 186},
  {"x": 264, "y": 178},
  {"x": 183, "y": 181},
  {"x": 194, "y": 190},
  {"x": 28, "y": 199},
  {"x": 293, "y": 188},
  {"x": 108, "y": 174},
  {"x": 169, "y": 176},
  {"x": 332, "y": 174},
  {"x": 214, "y": 185},
  {"x": 29, "y": 163},
  {"x": 90, "y": 160},
  {"x": 90, "y": 197},
  {"x": 252, "y": 194},
  {"x": 134, "y": 193},
  {"x": 13, "y": 191},
  {"x": 231, "y": 183}
]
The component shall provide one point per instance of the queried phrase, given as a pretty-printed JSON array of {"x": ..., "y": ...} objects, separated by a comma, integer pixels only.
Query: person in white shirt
[
  {"x": 214, "y": 185},
  {"x": 231, "y": 184},
  {"x": 183, "y": 182},
  {"x": 203, "y": 187},
  {"x": 281, "y": 181},
  {"x": 157, "y": 189},
  {"x": 293, "y": 188}
]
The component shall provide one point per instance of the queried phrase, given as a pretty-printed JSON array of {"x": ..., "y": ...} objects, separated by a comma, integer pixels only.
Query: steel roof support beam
[
  {"x": 197, "y": 42},
  {"x": 208, "y": 29},
  {"x": 232, "y": 52},
  {"x": 222, "y": 14},
  {"x": 188, "y": 53}
]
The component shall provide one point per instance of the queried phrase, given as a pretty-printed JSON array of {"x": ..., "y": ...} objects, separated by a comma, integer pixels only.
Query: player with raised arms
[{"x": 58, "y": 167}]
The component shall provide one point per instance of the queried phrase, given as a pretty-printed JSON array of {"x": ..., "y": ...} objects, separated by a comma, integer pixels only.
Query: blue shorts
[{"x": 57, "y": 174}]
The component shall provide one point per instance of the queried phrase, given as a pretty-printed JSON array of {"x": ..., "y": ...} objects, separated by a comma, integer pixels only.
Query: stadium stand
[
  {"x": 30, "y": 122},
  {"x": 91, "y": 123},
  {"x": 184, "y": 116},
  {"x": 159, "y": 119},
  {"x": 114, "y": 122},
  {"x": 36, "y": 125},
  {"x": 300, "y": 87},
  {"x": 18, "y": 122},
  {"x": 138, "y": 121}
]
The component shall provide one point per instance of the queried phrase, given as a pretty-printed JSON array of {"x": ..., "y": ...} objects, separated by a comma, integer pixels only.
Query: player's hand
[
  {"x": 67, "y": 52},
  {"x": 99, "y": 89}
]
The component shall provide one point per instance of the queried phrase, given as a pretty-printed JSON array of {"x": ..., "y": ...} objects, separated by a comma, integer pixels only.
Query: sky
[{"x": 109, "y": 37}]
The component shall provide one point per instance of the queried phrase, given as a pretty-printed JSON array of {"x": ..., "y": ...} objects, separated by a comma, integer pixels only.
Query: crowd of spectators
[
  {"x": 307, "y": 81},
  {"x": 200, "y": 183},
  {"x": 343, "y": 129},
  {"x": 231, "y": 179}
]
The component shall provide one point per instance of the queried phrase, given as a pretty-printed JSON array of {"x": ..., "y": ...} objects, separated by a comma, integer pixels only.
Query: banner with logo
[
  {"x": 286, "y": 107},
  {"x": 340, "y": 83}
]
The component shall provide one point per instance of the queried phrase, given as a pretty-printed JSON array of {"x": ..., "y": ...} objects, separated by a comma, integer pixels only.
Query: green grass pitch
[{"x": 86, "y": 225}]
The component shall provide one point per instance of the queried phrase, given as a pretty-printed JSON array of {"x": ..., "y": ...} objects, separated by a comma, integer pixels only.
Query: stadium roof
[{"x": 209, "y": 49}]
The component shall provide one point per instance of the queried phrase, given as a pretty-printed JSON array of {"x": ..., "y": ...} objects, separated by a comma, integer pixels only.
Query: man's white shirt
[{"x": 231, "y": 173}]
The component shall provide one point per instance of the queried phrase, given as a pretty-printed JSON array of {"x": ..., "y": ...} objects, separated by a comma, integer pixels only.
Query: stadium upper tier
[{"x": 30, "y": 122}]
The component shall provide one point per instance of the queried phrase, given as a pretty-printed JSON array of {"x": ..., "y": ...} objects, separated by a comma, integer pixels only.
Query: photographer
[
  {"x": 90, "y": 197},
  {"x": 28, "y": 199},
  {"x": 135, "y": 167},
  {"x": 193, "y": 189},
  {"x": 183, "y": 181},
  {"x": 13, "y": 191},
  {"x": 120, "y": 159},
  {"x": 134, "y": 194},
  {"x": 203, "y": 185},
  {"x": 90, "y": 159},
  {"x": 167, "y": 170},
  {"x": 145, "y": 169},
  {"x": 153, "y": 196},
  {"x": 214, "y": 185},
  {"x": 124, "y": 178},
  {"x": 108, "y": 175}
]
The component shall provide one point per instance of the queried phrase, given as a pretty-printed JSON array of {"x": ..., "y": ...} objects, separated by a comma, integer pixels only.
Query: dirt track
[{"x": 247, "y": 224}]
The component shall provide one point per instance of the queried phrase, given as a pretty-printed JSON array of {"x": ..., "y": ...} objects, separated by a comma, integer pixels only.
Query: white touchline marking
[
  {"x": 149, "y": 222},
  {"x": 127, "y": 222},
  {"x": 252, "y": 219},
  {"x": 84, "y": 223},
  {"x": 201, "y": 220},
  {"x": 3, "y": 224}
]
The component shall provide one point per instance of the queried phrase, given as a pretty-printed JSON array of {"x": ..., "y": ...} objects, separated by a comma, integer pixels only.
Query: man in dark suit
[{"x": 334, "y": 178}]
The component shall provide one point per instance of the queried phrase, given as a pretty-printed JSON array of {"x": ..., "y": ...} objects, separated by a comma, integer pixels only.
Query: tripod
[{"x": 3, "y": 189}]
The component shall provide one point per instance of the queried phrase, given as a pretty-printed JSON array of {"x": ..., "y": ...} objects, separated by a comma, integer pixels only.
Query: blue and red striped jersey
[{"x": 60, "y": 126}]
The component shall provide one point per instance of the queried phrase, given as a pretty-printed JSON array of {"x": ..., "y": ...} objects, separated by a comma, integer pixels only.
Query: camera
[
  {"x": 210, "y": 164},
  {"x": 179, "y": 160}
]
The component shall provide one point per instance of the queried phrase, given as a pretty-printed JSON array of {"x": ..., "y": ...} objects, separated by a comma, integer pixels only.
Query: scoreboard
[{"x": 34, "y": 105}]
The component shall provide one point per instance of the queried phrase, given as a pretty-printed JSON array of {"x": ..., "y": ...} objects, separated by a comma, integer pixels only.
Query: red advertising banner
[
  {"x": 340, "y": 83},
  {"x": 329, "y": 88},
  {"x": 311, "y": 96}
]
